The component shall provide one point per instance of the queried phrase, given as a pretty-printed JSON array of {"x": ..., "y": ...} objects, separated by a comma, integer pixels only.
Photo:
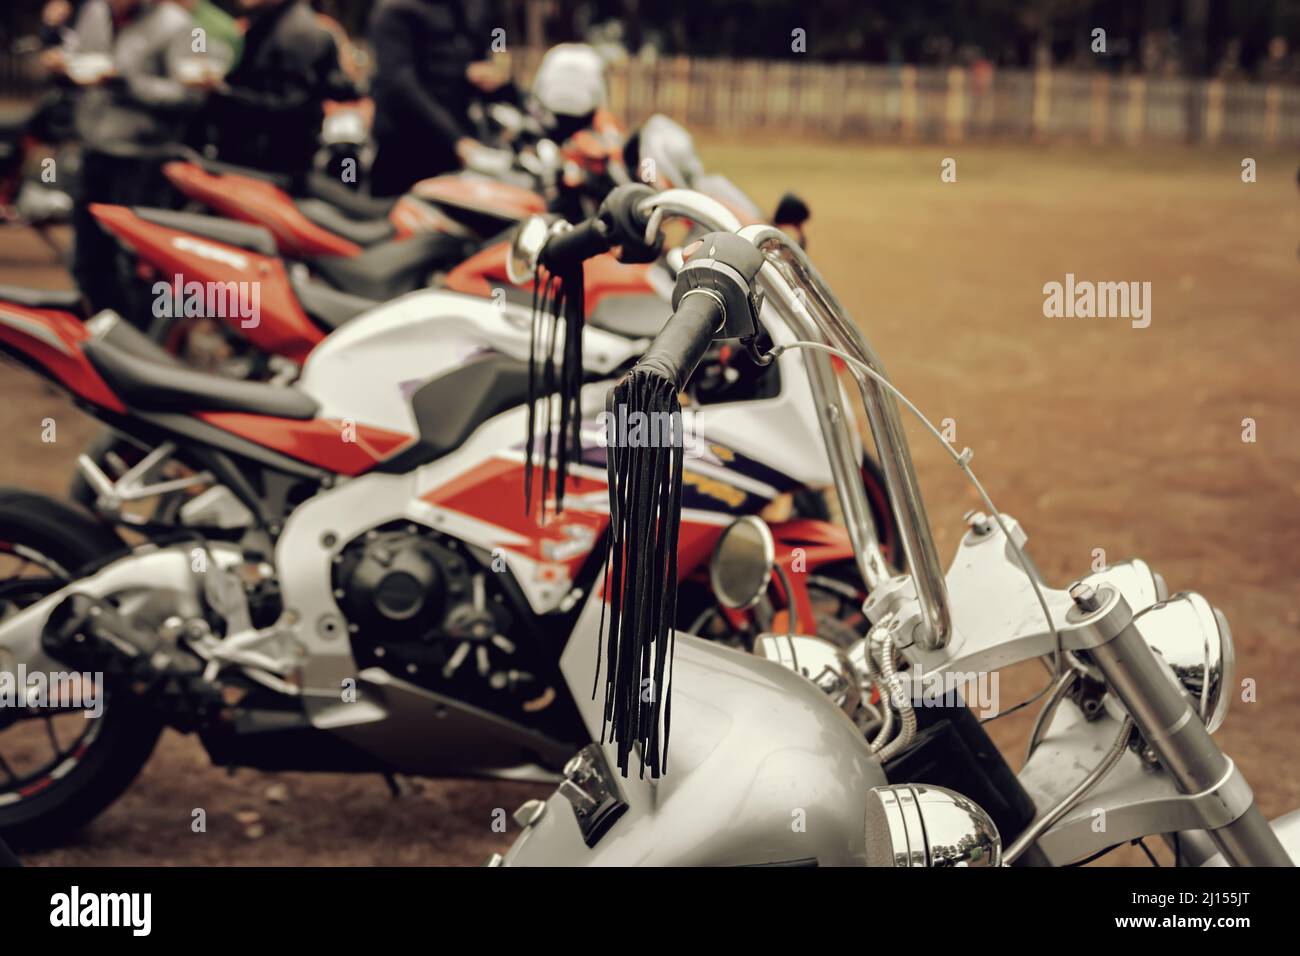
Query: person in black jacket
[
  {"x": 431, "y": 62},
  {"x": 268, "y": 112}
]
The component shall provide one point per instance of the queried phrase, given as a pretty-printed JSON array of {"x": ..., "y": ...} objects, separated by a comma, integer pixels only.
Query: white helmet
[{"x": 570, "y": 80}]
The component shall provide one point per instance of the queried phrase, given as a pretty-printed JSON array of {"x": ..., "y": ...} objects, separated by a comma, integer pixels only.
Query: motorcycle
[
  {"x": 767, "y": 768},
  {"x": 438, "y": 216},
  {"x": 347, "y": 579}
]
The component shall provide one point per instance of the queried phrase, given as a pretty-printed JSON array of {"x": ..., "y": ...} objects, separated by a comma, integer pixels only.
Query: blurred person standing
[
  {"x": 130, "y": 116},
  {"x": 431, "y": 62},
  {"x": 66, "y": 32},
  {"x": 225, "y": 38},
  {"x": 56, "y": 16},
  {"x": 268, "y": 112}
]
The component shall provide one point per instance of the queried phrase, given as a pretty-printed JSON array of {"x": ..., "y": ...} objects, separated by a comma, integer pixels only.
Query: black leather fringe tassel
[
  {"x": 645, "y": 503},
  {"x": 556, "y": 299}
]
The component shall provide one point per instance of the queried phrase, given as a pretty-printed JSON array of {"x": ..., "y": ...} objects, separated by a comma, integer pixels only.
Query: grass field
[{"x": 1094, "y": 434}]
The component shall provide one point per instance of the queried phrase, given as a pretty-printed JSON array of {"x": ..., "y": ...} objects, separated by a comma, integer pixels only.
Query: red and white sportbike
[{"x": 350, "y": 578}]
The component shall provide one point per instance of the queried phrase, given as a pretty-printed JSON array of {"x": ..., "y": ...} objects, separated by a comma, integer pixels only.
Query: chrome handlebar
[{"x": 806, "y": 304}]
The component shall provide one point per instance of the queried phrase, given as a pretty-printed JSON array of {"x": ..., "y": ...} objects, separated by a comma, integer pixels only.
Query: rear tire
[{"x": 60, "y": 541}]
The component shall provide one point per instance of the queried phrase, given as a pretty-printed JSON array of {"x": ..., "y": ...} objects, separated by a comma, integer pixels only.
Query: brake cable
[{"x": 962, "y": 459}]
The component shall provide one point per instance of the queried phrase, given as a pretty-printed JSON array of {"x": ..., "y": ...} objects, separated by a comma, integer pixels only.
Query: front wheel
[{"x": 58, "y": 768}]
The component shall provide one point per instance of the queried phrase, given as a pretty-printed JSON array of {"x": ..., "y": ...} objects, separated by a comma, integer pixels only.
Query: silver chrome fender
[{"x": 762, "y": 769}]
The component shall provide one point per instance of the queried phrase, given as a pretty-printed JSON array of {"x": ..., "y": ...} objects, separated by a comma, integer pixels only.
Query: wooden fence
[
  {"x": 926, "y": 104},
  {"x": 948, "y": 104}
]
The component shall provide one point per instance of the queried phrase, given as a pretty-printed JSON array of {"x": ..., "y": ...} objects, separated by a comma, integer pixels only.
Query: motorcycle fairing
[
  {"x": 408, "y": 341},
  {"x": 50, "y": 342},
  {"x": 603, "y": 276},
  {"x": 281, "y": 327},
  {"x": 368, "y": 369},
  {"x": 411, "y": 216},
  {"x": 262, "y": 203},
  {"x": 341, "y": 447},
  {"x": 548, "y": 556},
  {"x": 472, "y": 195}
]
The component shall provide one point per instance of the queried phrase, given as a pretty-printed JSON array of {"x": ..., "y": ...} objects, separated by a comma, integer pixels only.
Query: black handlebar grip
[
  {"x": 622, "y": 214},
  {"x": 684, "y": 339},
  {"x": 575, "y": 246}
]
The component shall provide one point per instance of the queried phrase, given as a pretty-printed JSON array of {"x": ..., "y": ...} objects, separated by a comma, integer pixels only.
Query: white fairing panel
[
  {"x": 781, "y": 432},
  {"x": 367, "y": 370}
]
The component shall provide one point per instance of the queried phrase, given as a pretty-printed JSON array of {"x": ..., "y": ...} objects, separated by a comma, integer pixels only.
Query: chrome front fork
[{"x": 1174, "y": 730}]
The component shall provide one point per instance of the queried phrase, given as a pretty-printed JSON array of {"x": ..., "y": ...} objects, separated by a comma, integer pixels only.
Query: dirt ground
[{"x": 1094, "y": 434}]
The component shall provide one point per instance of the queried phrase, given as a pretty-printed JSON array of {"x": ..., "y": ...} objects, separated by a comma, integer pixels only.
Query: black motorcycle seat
[
  {"x": 327, "y": 306},
  {"x": 640, "y": 316},
  {"x": 364, "y": 232},
  {"x": 350, "y": 202},
  {"x": 239, "y": 234},
  {"x": 392, "y": 268},
  {"x": 316, "y": 185},
  {"x": 62, "y": 300},
  {"x": 149, "y": 379},
  {"x": 450, "y": 408}
]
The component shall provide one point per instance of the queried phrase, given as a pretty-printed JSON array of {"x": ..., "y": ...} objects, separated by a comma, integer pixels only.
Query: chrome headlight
[
  {"x": 1135, "y": 579},
  {"x": 920, "y": 825},
  {"x": 819, "y": 660},
  {"x": 1193, "y": 638}
]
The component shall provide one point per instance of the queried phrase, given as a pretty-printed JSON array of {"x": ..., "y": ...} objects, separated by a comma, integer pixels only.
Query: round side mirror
[
  {"x": 742, "y": 563},
  {"x": 525, "y": 249},
  {"x": 549, "y": 154}
]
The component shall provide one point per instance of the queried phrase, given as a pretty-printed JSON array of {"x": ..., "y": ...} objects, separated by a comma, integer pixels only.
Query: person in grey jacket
[{"x": 129, "y": 119}]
